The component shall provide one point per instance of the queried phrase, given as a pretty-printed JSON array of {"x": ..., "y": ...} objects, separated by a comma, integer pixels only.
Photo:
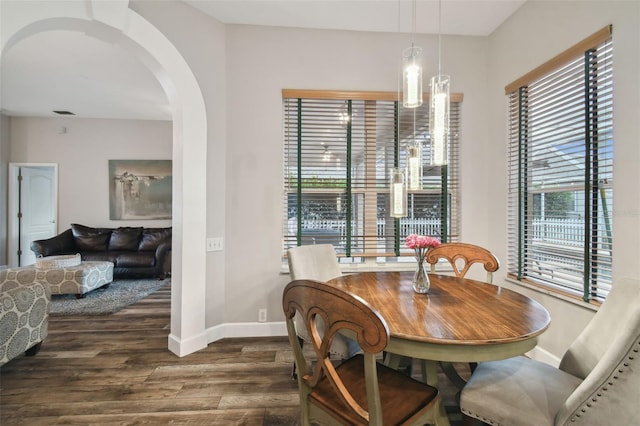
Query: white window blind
[
  {"x": 338, "y": 149},
  {"x": 561, "y": 175}
]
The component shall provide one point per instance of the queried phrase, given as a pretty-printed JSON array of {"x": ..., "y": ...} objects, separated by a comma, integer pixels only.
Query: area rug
[{"x": 104, "y": 301}]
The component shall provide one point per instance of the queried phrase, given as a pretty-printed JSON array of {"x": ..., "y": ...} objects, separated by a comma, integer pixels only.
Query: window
[
  {"x": 561, "y": 171},
  {"x": 338, "y": 149}
]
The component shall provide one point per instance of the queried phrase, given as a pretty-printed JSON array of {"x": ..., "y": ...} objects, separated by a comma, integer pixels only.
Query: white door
[{"x": 34, "y": 209}]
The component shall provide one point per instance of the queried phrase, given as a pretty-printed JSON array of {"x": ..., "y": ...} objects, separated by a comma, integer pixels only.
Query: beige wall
[
  {"x": 264, "y": 60},
  {"x": 534, "y": 34},
  {"x": 82, "y": 155},
  {"x": 261, "y": 62},
  {"x": 242, "y": 69}
]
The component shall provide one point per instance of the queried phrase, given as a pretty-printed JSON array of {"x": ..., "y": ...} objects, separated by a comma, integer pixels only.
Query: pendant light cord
[
  {"x": 413, "y": 23},
  {"x": 439, "y": 37}
]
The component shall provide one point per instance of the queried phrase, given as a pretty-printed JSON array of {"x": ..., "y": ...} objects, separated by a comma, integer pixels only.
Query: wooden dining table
[{"x": 458, "y": 320}]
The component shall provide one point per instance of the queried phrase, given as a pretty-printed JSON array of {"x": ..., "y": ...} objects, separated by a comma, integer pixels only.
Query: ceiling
[
  {"x": 70, "y": 71},
  {"x": 461, "y": 17}
]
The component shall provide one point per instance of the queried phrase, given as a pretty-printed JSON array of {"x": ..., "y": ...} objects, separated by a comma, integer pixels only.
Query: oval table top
[{"x": 459, "y": 320}]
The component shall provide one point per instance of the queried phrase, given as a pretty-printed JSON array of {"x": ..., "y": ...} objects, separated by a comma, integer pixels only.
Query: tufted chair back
[
  {"x": 606, "y": 355},
  {"x": 596, "y": 383},
  {"x": 317, "y": 262}
]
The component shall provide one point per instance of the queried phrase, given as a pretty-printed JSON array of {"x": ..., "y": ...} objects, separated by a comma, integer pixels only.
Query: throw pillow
[
  {"x": 125, "y": 239},
  {"x": 153, "y": 237},
  {"x": 90, "y": 239}
]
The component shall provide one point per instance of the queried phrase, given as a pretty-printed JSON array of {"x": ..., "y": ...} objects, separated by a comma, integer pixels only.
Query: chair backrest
[
  {"x": 313, "y": 262},
  {"x": 337, "y": 310},
  {"x": 316, "y": 262},
  {"x": 461, "y": 256},
  {"x": 607, "y": 356}
]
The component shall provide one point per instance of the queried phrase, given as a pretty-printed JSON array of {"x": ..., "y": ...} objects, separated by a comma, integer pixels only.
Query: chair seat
[
  {"x": 402, "y": 397},
  {"x": 522, "y": 385}
]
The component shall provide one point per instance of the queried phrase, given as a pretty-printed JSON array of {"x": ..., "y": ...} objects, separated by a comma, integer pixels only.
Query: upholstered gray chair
[
  {"x": 597, "y": 382},
  {"x": 24, "y": 314},
  {"x": 318, "y": 262}
]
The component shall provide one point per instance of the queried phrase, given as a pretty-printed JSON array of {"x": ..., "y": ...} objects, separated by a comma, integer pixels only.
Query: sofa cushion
[
  {"x": 153, "y": 237},
  {"x": 63, "y": 243},
  {"x": 90, "y": 239},
  {"x": 105, "y": 256},
  {"x": 125, "y": 238},
  {"x": 136, "y": 260}
]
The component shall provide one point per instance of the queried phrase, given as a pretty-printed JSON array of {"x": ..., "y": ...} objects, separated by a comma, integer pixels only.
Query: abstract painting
[{"x": 139, "y": 189}]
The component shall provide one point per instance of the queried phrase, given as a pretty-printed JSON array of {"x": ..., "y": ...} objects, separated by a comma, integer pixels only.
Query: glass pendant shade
[
  {"x": 412, "y": 77},
  {"x": 397, "y": 192},
  {"x": 439, "y": 119},
  {"x": 414, "y": 166}
]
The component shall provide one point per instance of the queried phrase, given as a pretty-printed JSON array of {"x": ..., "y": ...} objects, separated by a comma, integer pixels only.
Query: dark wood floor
[{"x": 116, "y": 369}]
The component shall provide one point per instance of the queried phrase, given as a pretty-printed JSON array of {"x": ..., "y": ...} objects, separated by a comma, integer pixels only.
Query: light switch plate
[{"x": 214, "y": 244}]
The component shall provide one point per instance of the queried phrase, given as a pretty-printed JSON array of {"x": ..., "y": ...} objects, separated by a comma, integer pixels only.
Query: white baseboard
[
  {"x": 189, "y": 346},
  {"x": 268, "y": 329},
  {"x": 542, "y": 355},
  {"x": 246, "y": 329}
]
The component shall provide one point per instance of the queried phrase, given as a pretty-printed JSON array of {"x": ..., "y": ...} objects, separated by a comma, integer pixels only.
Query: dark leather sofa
[{"x": 136, "y": 252}]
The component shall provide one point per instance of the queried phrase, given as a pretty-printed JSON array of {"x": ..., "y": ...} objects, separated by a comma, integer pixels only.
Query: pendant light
[
  {"x": 397, "y": 192},
  {"x": 414, "y": 165},
  {"x": 439, "y": 108},
  {"x": 414, "y": 160},
  {"x": 412, "y": 70}
]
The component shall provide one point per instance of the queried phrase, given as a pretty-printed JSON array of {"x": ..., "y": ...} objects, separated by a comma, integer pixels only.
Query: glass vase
[{"x": 421, "y": 281}]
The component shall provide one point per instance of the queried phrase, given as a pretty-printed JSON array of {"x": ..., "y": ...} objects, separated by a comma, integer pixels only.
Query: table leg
[
  {"x": 453, "y": 374},
  {"x": 430, "y": 372},
  {"x": 393, "y": 360}
]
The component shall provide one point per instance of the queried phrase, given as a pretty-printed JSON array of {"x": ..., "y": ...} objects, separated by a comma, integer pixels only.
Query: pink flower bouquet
[
  {"x": 415, "y": 241},
  {"x": 421, "y": 243}
]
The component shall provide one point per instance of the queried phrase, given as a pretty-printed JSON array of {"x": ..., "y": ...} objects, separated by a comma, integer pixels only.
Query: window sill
[
  {"x": 594, "y": 305},
  {"x": 378, "y": 267}
]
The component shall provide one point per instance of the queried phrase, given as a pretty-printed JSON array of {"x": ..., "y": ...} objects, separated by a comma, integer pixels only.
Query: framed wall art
[{"x": 139, "y": 189}]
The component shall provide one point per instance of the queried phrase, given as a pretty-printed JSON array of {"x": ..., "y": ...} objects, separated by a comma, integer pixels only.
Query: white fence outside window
[
  {"x": 407, "y": 226},
  {"x": 561, "y": 231},
  {"x": 552, "y": 230}
]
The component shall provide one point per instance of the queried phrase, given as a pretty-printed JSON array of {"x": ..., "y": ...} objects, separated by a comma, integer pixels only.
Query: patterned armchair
[{"x": 24, "y": 316}]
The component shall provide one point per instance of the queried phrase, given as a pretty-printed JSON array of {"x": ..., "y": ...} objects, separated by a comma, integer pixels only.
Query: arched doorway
[{"x": 122, "y": 25}]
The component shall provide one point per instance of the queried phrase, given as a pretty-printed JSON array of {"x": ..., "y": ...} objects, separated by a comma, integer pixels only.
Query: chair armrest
[
  {"x": 63, "y": 243},
  {"x": 29, "y": 302},
  {"x": 161, "y": 253}
]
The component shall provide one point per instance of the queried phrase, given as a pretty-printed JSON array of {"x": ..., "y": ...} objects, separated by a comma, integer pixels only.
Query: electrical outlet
[
  {"x": 214, "y": 244},
  {"x": 262, "y": 315}
]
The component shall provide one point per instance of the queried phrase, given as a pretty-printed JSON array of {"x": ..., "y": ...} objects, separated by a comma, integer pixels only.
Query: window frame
[
  {"x": 376, "y": 256},
  {"x": 522, "y": 125}
]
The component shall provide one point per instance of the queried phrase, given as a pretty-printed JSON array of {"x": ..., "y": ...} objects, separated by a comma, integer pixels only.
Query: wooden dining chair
[
  {"x": 359, "y": 391},
  {"x": 462, "y": 256},
  {"x": 596, "y": 383},
  {"x": 317, "y": 262}
]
